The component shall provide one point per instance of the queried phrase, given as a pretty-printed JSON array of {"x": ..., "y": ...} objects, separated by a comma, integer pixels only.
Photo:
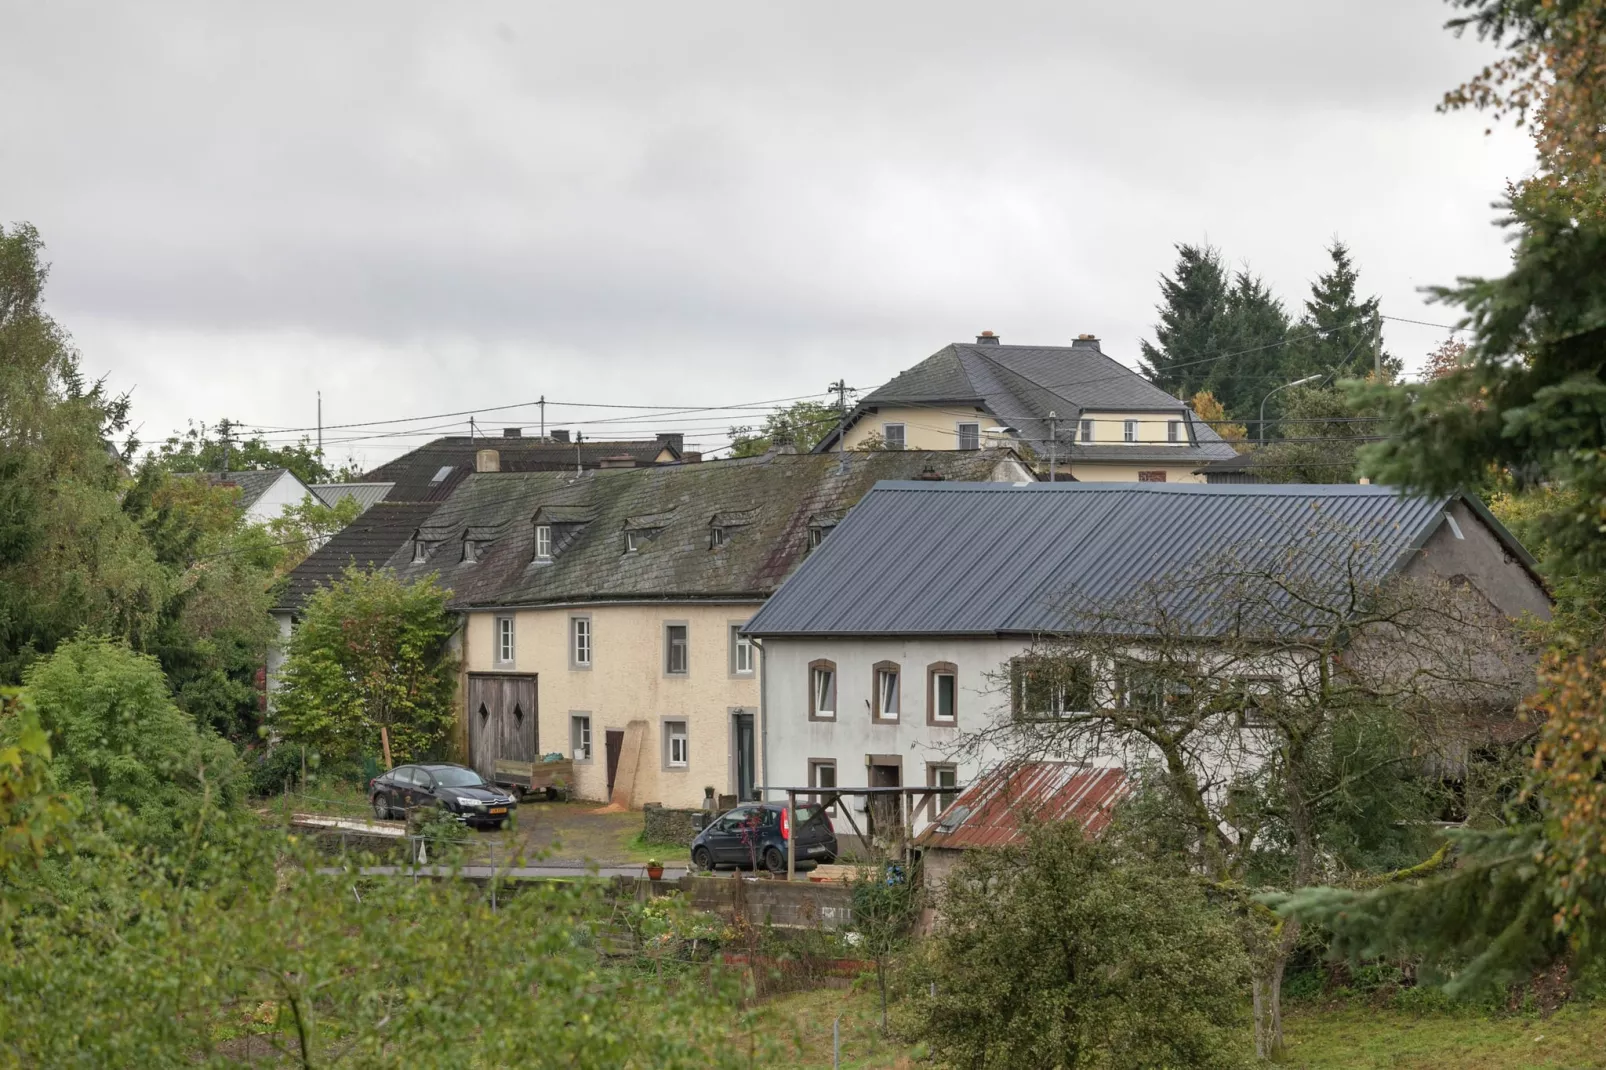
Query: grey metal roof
[
  {"x": 991, "y": 559},
  {"x": 1021, "y": 385},
  {"x": 367, "y": 495}
]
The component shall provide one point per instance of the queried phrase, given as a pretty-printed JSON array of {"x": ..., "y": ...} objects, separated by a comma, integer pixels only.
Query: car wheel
[
  {"x": 702, "y": 858},
  {"x": 774, "y": 860},
  {"x": 382, "y": 806}
]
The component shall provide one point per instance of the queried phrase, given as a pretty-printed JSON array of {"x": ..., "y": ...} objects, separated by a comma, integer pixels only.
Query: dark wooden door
[
  {"x": 502, "y": 720},
  {"x": 745, "y": 788},
  {"x": 616, "y": 743},
  {"x": 885, "y": 810}
]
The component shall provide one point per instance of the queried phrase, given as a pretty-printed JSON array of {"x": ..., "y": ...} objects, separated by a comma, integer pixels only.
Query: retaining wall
[{"x": 661, "y": 824}]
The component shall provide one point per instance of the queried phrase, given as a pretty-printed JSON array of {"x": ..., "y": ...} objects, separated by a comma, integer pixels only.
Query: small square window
[
  {"x": 741, "y": 652},
  {"x": 677, "y": 660},
  {"x": 892, "y": 436},
  {"x": 677, "y": 750},
  {"x": 969, "y": 436},
  {"x": 580, "y": 737},
  {"x": 1173, "y": 431},
  {"x": 504, "y": 640},
  {"x": 543, "y": 542},
  {"x": 1087, "y": 430},
  {"x": 1130, "y": 431}
]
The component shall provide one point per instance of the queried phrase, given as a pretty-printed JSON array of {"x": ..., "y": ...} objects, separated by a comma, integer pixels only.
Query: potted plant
[
  {"x": 708, "y": 797},
  {"x": 655, "y": 870}
]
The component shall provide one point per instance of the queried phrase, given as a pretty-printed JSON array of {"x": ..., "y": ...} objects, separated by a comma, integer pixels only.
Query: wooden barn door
[{"x": 502, "y": 720}]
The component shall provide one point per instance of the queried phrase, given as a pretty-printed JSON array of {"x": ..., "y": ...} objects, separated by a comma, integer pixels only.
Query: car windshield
[{"x": 457, "y": 778}]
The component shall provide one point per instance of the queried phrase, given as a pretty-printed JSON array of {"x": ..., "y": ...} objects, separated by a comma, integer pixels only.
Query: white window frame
[
  {"x": 936, "y": 697},
  {"x": 506, "y": 646},
  {"x": 934, "y": 774},
  {"x": 889, "y": 693},
  {"x": 669, "y": 648},
  {"x": 582, "y": 641},
  {"x": 1129, "y": 431},
  {"x": 822, "y": 711},
  {"x": 1086, "y": 430},
  {"x": 1173, "y": 431},
  {"x": 716, "y": 538},
  {"x": 903, "y": 436},
  {"x": 815, "y": 765},
  {"x": 741, "y": 650},
  {"x": 580, "y": 737},
  {"x": 974, "y": 434},
  {"x": 677, "y": 744},
  {"x": 543, "y": 542}
]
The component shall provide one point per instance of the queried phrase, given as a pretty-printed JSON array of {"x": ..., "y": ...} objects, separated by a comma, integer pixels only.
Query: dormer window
[
  {"x": 543, "y": 542},
  {"x": 716, "y": 538},
  {"x": 1130, "y": 431},
  {"x": 1087, "y": 430},
  {"x": 420, "y": 550},
  {"x": 471, "y": 552},
  {"x": 630, "y": 542},
  {"x": 817, "y": 534},
  {"x": 1173, "y": 431}
]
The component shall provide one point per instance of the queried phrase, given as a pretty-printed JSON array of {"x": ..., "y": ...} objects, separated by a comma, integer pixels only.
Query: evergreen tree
[
  {"x": 1339, "y": 334},
  {"x": 1252, "y": 348},
  {"x": 1193, "y": 306}
]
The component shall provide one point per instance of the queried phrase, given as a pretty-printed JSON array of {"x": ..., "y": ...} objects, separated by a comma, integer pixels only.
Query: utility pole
[
  {"x": 471, "y": 429},
  {"x": 320, "y": 425},
  {"x": 578, "y": 471},
  {"x": 542, "y": 403},
  {"x": 840, "y": 389},
  {"x": 1377, "y": 350},
  {"x": 223, "y": 431},
  {"x": 1053, "y": 442}
]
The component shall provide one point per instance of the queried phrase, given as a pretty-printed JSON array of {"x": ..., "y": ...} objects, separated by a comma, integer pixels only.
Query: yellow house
[
  {"x": 602, "y": 612},
  {"x": 1071, "y": 409}
]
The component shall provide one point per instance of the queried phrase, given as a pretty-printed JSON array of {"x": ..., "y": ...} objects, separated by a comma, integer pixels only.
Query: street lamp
[{"x": 1285, "y": 386}]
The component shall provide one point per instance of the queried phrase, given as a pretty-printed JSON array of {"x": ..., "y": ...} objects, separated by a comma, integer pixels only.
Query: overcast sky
[{"x": 420, "y": 208}]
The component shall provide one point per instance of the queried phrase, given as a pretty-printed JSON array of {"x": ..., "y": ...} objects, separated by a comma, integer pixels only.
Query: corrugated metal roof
[
  {"x": 989, "y": 812},
  {"x": 990, "y": 559}
]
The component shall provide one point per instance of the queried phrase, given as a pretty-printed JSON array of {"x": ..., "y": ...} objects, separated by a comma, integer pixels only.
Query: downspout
[{"x": 763, "y": 718}]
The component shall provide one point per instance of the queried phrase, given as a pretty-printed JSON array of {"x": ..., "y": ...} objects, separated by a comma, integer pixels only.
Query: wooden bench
[{"x": 551, "y": 779}]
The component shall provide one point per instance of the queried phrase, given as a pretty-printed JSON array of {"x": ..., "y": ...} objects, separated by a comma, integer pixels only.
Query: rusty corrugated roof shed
[{"x": 989, "y": 812}]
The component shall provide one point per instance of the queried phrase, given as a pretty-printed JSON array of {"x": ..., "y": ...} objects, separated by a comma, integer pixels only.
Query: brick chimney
[
  {"x": 487, "y": 461},
  {"x": 560, "y": 436},
  {"x": 512, "y": 432},
  {"x": 987, "y": 338}
]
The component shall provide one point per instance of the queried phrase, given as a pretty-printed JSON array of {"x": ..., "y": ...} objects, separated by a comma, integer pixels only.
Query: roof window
[{"x": 440, "y": 476}]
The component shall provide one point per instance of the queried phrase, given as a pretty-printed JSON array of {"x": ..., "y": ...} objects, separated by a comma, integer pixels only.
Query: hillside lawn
[{"x": 1354, "y": 1037}]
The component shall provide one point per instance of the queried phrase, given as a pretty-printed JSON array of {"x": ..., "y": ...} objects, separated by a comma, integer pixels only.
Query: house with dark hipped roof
[
  {"x": 910, "y": 629},
  {"x": 602, "y": 610},
  {"x": 1072, "y": 408}
]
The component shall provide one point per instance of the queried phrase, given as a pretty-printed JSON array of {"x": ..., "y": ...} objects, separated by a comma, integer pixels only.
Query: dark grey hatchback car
[
  {"x": 453, "y": 788},
  {"x": 755, "y": 834}
]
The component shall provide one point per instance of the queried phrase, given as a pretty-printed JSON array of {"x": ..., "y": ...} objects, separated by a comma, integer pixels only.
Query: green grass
[
  {"x": 1359, "y": 1038},
  {"x": 1352, "y": 1037}
]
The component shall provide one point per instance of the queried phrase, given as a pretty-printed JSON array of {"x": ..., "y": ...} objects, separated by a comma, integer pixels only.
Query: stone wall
[
  {"x": 661, "y": 824},
  {"x": 771, "y": 902}
]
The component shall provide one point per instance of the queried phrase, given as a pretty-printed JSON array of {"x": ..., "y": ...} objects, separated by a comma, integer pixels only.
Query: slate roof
[
  {"x": 765, "y": 505},
  {"x": 369, "y": 540},
  {"x": 1021, "y": 385},
  {"x": 368, "y": 495},
  {"x": 996, "y": 559},
  {"x": 989, "y": 812},
  {"x": 253, "y": 484},
  {"x": 432, "y": 471}
]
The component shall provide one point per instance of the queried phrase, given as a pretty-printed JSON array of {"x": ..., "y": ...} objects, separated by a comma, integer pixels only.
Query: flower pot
[{"x": 655, "y": 873}]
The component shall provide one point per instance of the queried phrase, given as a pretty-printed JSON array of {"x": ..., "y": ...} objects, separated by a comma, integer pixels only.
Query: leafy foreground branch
[{"x": 271, "y": 960}]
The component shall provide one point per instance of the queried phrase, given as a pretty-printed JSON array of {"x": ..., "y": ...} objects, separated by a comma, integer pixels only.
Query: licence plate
[
  {"x": 498, "y": 809},
  {"x": 817, "y": 849}
]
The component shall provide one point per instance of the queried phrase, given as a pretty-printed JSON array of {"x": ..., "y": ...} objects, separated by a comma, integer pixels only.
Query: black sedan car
[
  {"x": 453, "y": 788},
  {"x": 755, "y": 834}
]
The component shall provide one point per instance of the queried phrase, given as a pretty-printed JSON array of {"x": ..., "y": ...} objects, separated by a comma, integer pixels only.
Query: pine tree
[
  {"x": 1252, "y": 345},
  {"x": 1193, "y": 306},
  {"x": 1339, "y": 334}
]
